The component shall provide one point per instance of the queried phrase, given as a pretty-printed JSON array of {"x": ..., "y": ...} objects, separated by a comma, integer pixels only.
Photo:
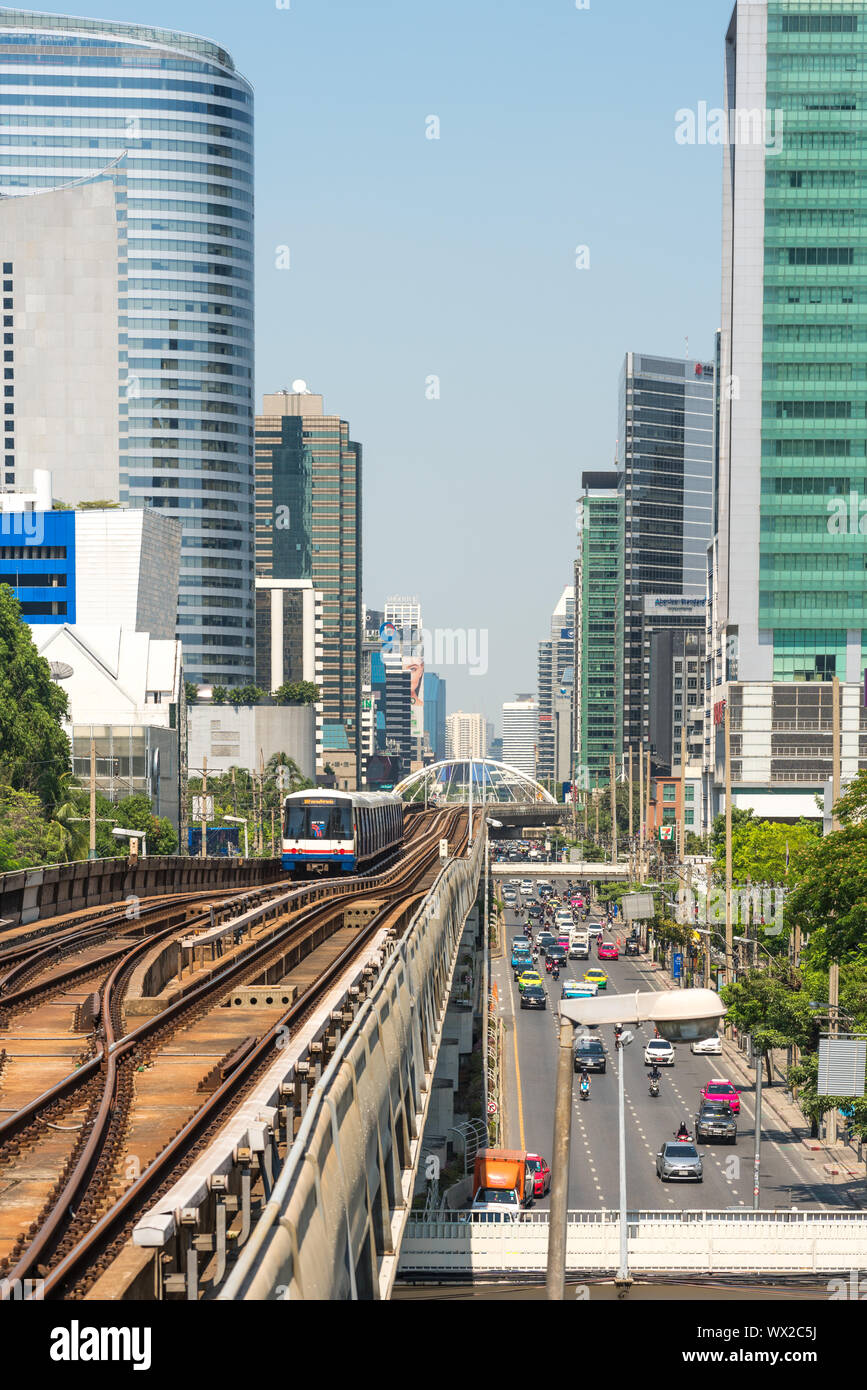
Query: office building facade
[
  {"x": 521, "y": 734},
  {"x": 466, "y": 735},
  {"x": 331, "y": 461},
  {"x": 173, "y": 120},
  {"x": 556, "y": 654},
  {"x": 788, "y": 588},
  {"x": 435, "y": 714},
  {"x": 598, "y": 667},
  {"x": 667, "y": 420}
]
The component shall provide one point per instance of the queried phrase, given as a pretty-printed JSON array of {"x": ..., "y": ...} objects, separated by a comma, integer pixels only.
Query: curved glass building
[{"x": 174, "y": 119}]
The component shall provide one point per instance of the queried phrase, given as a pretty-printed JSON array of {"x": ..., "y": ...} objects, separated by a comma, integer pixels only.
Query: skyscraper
[
  {"x": 521, "y": 734},
  {"x": 556, "y": 654},
  {"x": 666, "y": 431},
  {"x": 598, "y": 672},
  {"x": 172, "y": 117},
  {"x": 466, "y": 735},
  {"x": 321, "y": 463},
  {"x": 435, "y": 714},
  {"x": 788, "y": 585}
]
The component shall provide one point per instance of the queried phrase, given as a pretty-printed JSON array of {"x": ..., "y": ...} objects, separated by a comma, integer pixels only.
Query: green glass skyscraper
[
  {"x": 598, "y": 688},
  {"x": 788, "y": 582}
]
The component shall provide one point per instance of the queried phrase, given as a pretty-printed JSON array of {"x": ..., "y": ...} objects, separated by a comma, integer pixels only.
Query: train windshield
[{"x": 318, "y": 821}]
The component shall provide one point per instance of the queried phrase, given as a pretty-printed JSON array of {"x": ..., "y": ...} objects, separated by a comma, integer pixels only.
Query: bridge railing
[{"x": 710, "y": 1242}]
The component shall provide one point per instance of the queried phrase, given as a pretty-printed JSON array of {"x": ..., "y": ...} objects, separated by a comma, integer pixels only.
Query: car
[
  {"x": 579, "y": 950},
  {"x": 519, "y": 943},
  {"x": 522, "y": 958},
  {"x": 544, "y": 940},
  {"x": 589, "y": 1054},
  {"x": 533, "y": 997},
  {"x": 660, "y": 1051},
  {"x": 594, "y": 928},
  {"x": 534, "y": 911},
  {"x": 708, "y": 1046},
  {"x": 530, "y": 977},
  {"x": 557, "y": 954},
  {"x": 576, "y": 901},
  {"x": 715, "y": 1120},
  {"x": 633, "y": 947},
  {"x": 607, "y": 950},
  {"x": 541, "y": 1174},
  {"x": 584, "y": 989},
  {"x": 720, "y": 1089},
  {"x": 597, "y": 977},
  {"x": 679, "y": 1162}
]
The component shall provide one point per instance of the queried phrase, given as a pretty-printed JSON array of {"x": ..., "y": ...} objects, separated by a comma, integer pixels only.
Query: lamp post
[
  {"x": 134, "y": 836},
  {"x": 242, "y": 820},
  {"x": 690, "y": 1014}
]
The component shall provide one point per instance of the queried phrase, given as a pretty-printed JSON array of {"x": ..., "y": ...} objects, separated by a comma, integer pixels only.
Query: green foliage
[
  {"x": 245, "y": 695},
  {"x": 100, "y": 506},
  {"x": 135, "y": 813},
  {"x": 830, "y": 899},
  {"x": 851, "y": 809},
  {"x": 759, "y": 848},
  {"x": 34, "y": 750},
  {"x": 774, "y": 1009},
  {"x": 191, "y": 691},
  {"x": 26, "y": 837},
  {"x": 297, "y": 693},
  {"x": 220, "y": 695},
  {"x": 236, "y": 793}
]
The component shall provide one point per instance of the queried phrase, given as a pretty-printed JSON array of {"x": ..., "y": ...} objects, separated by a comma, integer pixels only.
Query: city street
[{"x": 789, "y": 1178}]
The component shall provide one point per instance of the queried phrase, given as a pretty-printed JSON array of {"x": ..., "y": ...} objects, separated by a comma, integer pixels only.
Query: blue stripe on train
[{"x": 346, "y": 861}]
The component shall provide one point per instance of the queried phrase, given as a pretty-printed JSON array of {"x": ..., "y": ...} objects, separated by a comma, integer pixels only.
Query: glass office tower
[
  {"x": 789, "y": 584},
  {"x": 175, "y": 120},
  {"x": 666, "y": 432},
  {"x": 598, "y": 687}
]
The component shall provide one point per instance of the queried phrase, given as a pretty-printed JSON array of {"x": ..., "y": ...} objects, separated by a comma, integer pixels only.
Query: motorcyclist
[
  {"x": 585, "y": 1083},
  {"x": 555, "y": 970},
  {"x": 654, "y": 1074},
  {"x": 683, "y": 1135}
]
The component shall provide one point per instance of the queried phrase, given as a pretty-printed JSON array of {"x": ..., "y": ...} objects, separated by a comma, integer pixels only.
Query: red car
[
  {"x": 606, "y": 950},
  {"x": 718, "y": 1089},
  {"x": 541, "y": 1174}
]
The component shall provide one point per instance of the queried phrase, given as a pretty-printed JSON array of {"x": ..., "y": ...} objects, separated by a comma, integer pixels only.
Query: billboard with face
[{"x": 415, "y": 666}]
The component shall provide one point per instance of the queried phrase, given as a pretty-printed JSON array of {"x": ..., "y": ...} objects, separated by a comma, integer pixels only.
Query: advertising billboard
[{"x": 415, "y": 666}]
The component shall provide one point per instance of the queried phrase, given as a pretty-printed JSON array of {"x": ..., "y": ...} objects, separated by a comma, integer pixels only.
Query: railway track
[{"x": 90, "y": 1211}]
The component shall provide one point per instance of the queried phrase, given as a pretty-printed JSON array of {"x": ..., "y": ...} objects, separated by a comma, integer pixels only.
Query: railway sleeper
[{"x": 227, "y": 1064}]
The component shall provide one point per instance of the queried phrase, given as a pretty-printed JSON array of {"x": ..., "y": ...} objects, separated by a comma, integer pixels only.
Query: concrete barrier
[{"x": 29, "y": 895}]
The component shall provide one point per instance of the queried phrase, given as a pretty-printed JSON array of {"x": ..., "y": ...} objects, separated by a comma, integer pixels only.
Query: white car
[
  {"x": 711, "y": 1046},
  {"x": 594, "y": 928},
  {"x": 660, "y": 1051}
]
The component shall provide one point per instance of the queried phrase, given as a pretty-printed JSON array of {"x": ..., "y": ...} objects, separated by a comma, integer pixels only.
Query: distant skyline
[{"x": 428, "y": 287}]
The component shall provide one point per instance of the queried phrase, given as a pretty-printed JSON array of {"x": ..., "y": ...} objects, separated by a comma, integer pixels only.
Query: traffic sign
[{"x": 677, "y": 965}]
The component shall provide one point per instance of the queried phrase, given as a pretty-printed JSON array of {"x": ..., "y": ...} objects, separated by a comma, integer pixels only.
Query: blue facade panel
[{"x": 37, "y": 561}]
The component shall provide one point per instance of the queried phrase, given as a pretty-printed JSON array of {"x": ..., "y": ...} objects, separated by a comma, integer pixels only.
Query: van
[{"x": 502, "y": 1179}]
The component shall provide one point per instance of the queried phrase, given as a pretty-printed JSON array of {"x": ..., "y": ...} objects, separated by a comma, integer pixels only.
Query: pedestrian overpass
[{"x": 737, "y": 1242}]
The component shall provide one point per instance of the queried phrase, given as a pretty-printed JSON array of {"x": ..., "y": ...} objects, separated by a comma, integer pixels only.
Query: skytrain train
[{"x": 350, "y": 831}]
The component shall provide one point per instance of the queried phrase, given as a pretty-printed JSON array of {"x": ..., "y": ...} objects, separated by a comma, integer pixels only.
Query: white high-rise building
[
  {"x": 466, "y": 735},
  {"x": 521, "y": 734}
]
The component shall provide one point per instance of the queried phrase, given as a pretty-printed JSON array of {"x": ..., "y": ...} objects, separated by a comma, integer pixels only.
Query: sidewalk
[{"x": 838, "y": 1162}]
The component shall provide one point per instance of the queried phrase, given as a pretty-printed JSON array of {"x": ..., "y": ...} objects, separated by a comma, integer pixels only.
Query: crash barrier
[
  {"x": 333, "y": 1224},
  {"x": 27, "y": 895},
  {"x": 659, "y": 1242}
]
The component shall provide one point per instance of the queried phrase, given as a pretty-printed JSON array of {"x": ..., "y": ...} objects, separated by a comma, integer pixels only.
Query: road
[{"x": 788, "y": 1178}]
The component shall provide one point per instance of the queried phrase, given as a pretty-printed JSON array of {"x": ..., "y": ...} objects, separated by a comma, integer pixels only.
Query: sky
[{"x": 432, "y": 293}]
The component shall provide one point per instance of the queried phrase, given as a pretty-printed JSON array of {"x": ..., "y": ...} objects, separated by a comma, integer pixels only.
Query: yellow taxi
[
  {"x": 529, "y": 977},
  {"x": 596, "y": 977}
]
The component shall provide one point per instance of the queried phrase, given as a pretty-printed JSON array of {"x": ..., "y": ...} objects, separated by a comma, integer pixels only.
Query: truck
[
  {"x": 579, "y": 944},
  {"x": 502, "y": 1181}
]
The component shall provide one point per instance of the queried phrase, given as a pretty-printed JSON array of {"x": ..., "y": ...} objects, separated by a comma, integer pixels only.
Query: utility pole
[
  {"x": 647, "y": 820},
  {"x": 631, "y": 845},
  {"x": 234, "y": 800},
  {"x": 596, "y": 804},
  {"x": 204, "y": 806},
  {"x": 91, "y": 853},
  {"x": 729, "y": 971},
  {"x": 681, "y": 820},
  {"x": 835, "y": 750},
  {"x": 613, "y": 778},
  {"x": 641, "y": 813},
  {"x": 834, "y": 1028},
  {"x": 261, "y": 803}
]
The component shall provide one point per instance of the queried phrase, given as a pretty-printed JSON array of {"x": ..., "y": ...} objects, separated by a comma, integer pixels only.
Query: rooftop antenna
[{"x": 300, "y": 388}]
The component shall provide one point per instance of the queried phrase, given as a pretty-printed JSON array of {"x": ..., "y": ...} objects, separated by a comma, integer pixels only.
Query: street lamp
[
  {"x": 133, "y": 836},
  {"x": 241, "y": 820},
  {"x": 687, "y": 1016}
]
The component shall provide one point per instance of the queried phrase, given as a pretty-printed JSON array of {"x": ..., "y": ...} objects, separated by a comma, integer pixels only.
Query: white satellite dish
[
  {"x": 299, "y": 387},
  {"x": 60, "y": 670}
]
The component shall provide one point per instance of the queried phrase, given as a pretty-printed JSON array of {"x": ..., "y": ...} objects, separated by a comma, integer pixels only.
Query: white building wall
[{"x": 127, "y": 567}]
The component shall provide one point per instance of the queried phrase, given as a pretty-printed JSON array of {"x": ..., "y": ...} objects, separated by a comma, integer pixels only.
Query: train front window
[{"x": 318, "y": 822}]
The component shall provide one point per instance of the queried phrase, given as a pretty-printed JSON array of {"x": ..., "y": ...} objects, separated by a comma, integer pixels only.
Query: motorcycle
[
  {"x": 683, "y": 1136},
  {"x": 654, "y": 1087},
  {"x": 584, "y": 1088},
  {"x": 549, "y": 965},
  {"x": 556, "y": 971}
]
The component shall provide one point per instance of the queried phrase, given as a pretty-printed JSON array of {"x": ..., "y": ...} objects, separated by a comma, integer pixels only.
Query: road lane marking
[{"x": 518, "y": 1082}]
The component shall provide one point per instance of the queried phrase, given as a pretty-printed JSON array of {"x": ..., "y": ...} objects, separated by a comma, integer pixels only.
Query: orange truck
[{"x": 501, "y": 1181}]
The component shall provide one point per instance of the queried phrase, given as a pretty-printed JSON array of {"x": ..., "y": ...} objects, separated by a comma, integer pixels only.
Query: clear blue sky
[{"x": 456, "y": 257}]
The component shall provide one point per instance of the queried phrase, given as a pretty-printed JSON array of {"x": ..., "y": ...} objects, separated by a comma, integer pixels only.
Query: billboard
[
  {"x": 223, "y": 840},
  {"x": 673, "y": 606}
]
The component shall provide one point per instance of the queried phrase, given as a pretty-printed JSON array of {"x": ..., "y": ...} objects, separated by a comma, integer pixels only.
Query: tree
[
  {"x": 774, "y": 1009},
  {"x": 26, "y": 838},
  {"x": 219, "y": 694},
  {"x": 851, "y": 809},
  {"x": 759, "y": 849},
  {"x": 718, "y": 829},
  {"x": 830, "y": 899},
  {"x": 34, "y": 750},
  {"x": 135, "y": 813},
  {"x": 102, "y": 505},
  {"x": 191, "y": 691},
  {"x": 245, "y": 695},
  {"x": 297, "y": 693}
]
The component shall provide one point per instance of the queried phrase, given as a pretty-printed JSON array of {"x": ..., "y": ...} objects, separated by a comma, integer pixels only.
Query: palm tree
[{"x": 67, "y": 820}]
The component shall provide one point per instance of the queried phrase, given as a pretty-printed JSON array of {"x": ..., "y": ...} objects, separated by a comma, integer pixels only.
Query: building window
[
  {"x": 669, "y": 792},
  {"x": 689, "y": 792},
  {"x": 689, "y": 817}
]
